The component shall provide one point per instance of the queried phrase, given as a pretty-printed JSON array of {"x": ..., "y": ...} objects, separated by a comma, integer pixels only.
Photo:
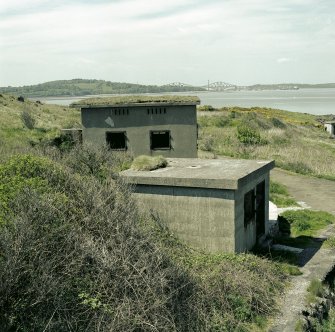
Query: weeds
[
  {"x": 280, "y": 196},
  {"x": 307, "y": 222},
  {"x": 75, "y": 252},
  {"x": 147, "y": 163}
]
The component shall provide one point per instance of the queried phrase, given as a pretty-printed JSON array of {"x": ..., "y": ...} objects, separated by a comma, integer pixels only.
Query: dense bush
[
  {"x": 77, "y": 256},
  {"x": 74, "y": 258},
  {"x": 249, "y": 135}
]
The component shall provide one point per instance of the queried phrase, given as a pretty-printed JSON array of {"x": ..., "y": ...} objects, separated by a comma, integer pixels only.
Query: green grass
[
  {"x": 315, "y": 289},
  {"x": 49, "y": 119},
  {"x": 280, "y": 196},
  {"x": 147, "y": 163},
  {"x": 296, "y": 141},
  {"x": 329, "y": 243},
  {"x": 307, "y": 222}
]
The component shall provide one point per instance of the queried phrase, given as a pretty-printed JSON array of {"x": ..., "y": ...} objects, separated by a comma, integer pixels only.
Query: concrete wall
[
  {"x": 203, "y": 218},
  {"x": 138, "y": 121},
  {"x": 246, "y": 236},
  {"x": 330, "y": 128}
]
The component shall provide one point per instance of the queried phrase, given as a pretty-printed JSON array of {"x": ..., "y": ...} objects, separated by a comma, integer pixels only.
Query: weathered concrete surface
[
  {"x": 319, "y": 194},
  {"x": 202, "y": 201},
  {"x": 202, "y": 173},
  {"x": 137, "y": 121}
]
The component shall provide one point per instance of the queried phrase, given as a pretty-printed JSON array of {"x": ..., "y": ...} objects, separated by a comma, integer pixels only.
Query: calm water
[{"x": 314, "y": 101}]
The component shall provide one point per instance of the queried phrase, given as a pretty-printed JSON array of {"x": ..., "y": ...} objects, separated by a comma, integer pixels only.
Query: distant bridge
[{"x": 220, "y": 86}]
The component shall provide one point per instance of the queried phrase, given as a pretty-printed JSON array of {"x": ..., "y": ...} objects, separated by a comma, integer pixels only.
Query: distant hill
[{"x": 81, "y": 87}]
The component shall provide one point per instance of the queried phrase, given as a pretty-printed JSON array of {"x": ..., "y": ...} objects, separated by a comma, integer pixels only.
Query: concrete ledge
[{"x": 201, "y": 173}]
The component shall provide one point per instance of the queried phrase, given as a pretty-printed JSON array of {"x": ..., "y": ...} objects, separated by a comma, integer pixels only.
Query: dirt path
[{"x": 319, "y": 194}]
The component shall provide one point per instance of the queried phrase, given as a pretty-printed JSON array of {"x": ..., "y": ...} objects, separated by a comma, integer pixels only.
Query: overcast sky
[{"x": 162, "y": 41}]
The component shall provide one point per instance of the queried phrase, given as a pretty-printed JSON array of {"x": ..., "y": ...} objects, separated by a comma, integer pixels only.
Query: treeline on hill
[
  {"x": 76, "y": 255},
  {"x": 80, "y": 87}
]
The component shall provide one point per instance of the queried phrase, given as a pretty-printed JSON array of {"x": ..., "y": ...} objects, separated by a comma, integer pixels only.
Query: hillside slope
[
  {"x": 14, "y": 136},
  {"x": 296, "y": 141}
]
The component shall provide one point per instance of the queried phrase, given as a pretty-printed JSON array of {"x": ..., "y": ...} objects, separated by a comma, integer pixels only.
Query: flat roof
[
  {"x": 201, "y": 173},
  {"x": 122, "y": 101}
]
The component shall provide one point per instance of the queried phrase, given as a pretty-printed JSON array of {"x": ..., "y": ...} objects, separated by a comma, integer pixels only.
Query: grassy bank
[
  {"x": 49, "y": 119},
  {"x": 296, "y": 141}
]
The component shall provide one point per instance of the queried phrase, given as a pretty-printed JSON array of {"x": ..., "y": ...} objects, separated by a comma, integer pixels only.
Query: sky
[{"x": 241, "y": 42}]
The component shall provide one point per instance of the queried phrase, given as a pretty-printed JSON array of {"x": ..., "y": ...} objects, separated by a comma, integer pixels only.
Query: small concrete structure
[
  {"x": 330, "y": 127},
  {"x": 142, "y": 125},
  {"x": 216, "y": 205}
]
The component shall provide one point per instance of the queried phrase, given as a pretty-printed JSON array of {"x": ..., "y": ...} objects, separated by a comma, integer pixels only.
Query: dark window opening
[
  {"x": 160, "y": 140},
  {"x": 116, "y": 140},
  {"x": 260, "y": 208},
  {"x": 249, "y": 207}
]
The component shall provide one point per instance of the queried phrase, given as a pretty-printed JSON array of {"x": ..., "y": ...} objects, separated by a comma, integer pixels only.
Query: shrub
[
  {"x": 249, "y": 135},
  {"x": 206, "y": 108},
  {"x": 207, "y": 143},
  {"x": 74, "y": 258},
  {"x": 27, "y": 119},
  {"x": 278, "y": 123},
  {"x": 316, "y": 288},
  {"x": 77, "y": 256},
  {"x": 147, "y": 163},
  {"x": 98, "y": 161}
]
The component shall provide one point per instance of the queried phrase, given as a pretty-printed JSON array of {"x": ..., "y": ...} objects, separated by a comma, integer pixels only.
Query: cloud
[
  {"x": 161, "y": 41},
  {"x": 283, "y": 60}
]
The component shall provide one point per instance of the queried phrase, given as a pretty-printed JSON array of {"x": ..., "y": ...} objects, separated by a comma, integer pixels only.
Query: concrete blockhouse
[
  {"x": 330, "y": 127},
  {"x": 216, "y": 205},
  {"x": 149, "y": 125}
]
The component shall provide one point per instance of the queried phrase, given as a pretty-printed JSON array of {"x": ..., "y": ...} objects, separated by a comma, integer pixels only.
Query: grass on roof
[{"x": 119, "y": 100}]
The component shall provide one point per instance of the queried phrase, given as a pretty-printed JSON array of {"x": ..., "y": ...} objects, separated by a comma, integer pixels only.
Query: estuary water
[{"x": 313, "y": 101}]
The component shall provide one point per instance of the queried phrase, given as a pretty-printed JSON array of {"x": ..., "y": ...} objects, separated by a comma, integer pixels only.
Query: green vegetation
[
  {"x": 15, "y": 136},
  {"x": 77, "y": 255},
  {"x": 330, "y": 242},
  {"x": 296, "y": 141},
  {"x": 81, "y": 87},
  {"x": 119, "y": 100},
  {"x": 76, "y": 252},
  {"x": 307, "y": 222},
  {"x": 280, "y": 196},
  {"x": 327, "y": 325},
  {"x": 147, "y": 163},
  {"x": 300, "y": 228},
  {"x": 315, "y": 289}
]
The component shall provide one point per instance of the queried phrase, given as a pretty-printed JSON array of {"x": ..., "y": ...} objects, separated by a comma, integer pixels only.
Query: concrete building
[
  {"x": 330, "y": 127},
  {"x": 149, "y": 125},
  {"x": 216, "y": 205}
]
